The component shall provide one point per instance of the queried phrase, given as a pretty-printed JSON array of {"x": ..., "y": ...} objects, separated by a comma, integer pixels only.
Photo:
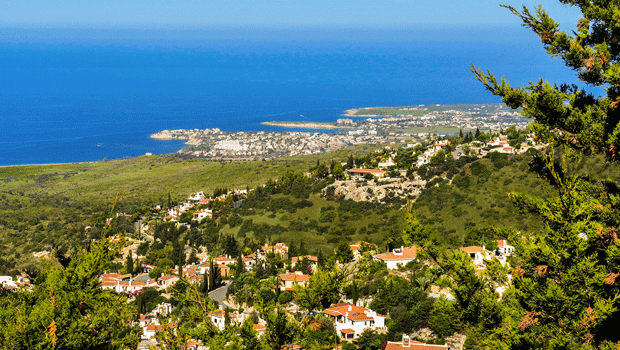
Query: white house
[
  {"x": 197, "y": 196},
  {"x": 218, "y": 318},
  {"x": 478, "y": 255},
  {"x": 6, "y": 281},
  {"x": 386, "y": 164},
  {"x": 505, "y": 248},
  {"x": 201, "y": 214},
  {"x": 351, "y": 320},
  {"x": 399, "y": 256}
]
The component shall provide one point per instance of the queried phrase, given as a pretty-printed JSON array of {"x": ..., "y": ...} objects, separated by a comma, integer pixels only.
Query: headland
[{"x": 381, "y": 125}]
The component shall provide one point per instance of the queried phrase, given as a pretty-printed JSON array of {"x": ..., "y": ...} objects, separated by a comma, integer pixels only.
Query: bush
[
  {"x": 156, "y": 272},
  {"x": 285, "y": 297}
]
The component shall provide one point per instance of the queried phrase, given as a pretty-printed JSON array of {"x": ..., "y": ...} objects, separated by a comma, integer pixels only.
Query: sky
[{"x": 268, "y": 13}]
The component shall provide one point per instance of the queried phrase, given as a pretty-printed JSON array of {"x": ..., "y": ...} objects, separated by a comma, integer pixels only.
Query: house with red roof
[
  {"x": 478, "y": 255},
  {"x": 313, "y": 261},
  {"x": 351, "y": 320},
  {"x": 398, "y": 256},
  {"x": 167, "y": 281},
  {"x": 289, "y": 279},
  {"x": 504, "y": 248},
  {"x": 355, "y": 247},
  {"x": 260, "y": 329},
  {"x": 202, "y": 214}
]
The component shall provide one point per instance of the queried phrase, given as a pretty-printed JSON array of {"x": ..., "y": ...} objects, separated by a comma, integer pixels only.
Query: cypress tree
[
  {"x": 129, "y": 263},
  {"x": 240, "y": 266}
]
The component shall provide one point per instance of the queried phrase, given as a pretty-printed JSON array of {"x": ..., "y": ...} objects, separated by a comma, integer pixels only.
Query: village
[
  {"x": 220, "y": 145},
  {"x": 351, "y": 317}
]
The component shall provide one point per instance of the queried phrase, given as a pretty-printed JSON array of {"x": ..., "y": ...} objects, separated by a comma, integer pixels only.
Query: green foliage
[
  {"x": 129, "y": 263},
  {"x": 319, "y": 334},
  {"x": 345, "y": 345},
  {"x": 285, "y": 297},
  {"x": 156, "y": 272},
  {"x": 370, "y": 340},
  {"x": 68, "y": 309},
  {"x": 343, "y": 252},
  {"x": 322, "y": 289}
]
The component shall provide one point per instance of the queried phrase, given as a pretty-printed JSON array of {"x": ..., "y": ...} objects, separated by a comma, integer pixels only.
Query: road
[{"x": 220, "y": 294}]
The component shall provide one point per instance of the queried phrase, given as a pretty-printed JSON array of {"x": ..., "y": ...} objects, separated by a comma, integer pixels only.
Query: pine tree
[{"x": 565, "y": 291}]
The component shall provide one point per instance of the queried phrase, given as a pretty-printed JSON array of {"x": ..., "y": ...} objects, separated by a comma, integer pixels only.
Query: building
[
  {"x": 409, "y": 344},
  {"x": 505, "y": 248},
  {"x": 201, "y": 214},
  {"x": 357, "y": 172},
  {"x": 288, "y": 280},
  {"x": 386, "y": 164},
  {"x": 398, "y": 256},
  {"x": 351, "y": 320},
  {"x": 313, "y": 261}
]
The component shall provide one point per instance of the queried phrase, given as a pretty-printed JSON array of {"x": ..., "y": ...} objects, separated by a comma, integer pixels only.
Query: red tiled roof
[
  {"x": 472, "y": 249},
  {"x": 359, "y": 317},
  {"x": 294, "y": 277},
  {"x": 218, "y": 313},
  {"x": 308, "y": 257},
  {"x": 369, "y": 171},
  {"x": 347, "y": 331},
  {"x": 408, "y": 253}
]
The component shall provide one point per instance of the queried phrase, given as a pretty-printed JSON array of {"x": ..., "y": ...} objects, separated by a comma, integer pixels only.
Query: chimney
[
  {"x": 349, "y": 307},
  {"x": 406, "y": 341}
]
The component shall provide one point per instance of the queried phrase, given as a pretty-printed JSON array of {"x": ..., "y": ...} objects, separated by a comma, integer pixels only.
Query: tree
[
  {"x": 564, "y": 293},
  {"x": 320, "y": 260},
  {"x": 338, "y": 172},
  {"x": 322, "y": 289},
  {"x": 321, "y": 171},
  {"x": 129, "y": 263},
  {"x": 588, "y": 124},
  {"x": 215, "y": 276},
  {"x": 344, "y": 253},
  {"x": 240, "y": 266},
  {"x": 68, "y": 309}
]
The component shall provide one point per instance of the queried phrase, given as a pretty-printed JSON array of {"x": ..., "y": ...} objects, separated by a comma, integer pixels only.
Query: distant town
[{"x": 367, "y": 125}]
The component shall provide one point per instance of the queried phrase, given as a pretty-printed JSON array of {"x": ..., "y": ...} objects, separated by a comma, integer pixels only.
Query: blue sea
[{"x": 85, "y": 94}]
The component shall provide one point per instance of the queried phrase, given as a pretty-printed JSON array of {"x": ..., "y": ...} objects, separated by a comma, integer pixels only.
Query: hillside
[{"x": 45, "y": 207}]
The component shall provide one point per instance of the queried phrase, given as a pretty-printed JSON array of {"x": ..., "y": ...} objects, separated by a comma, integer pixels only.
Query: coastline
[
  {"x": 50, "y": 164},
  {"x": 306, "y": 125}
]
